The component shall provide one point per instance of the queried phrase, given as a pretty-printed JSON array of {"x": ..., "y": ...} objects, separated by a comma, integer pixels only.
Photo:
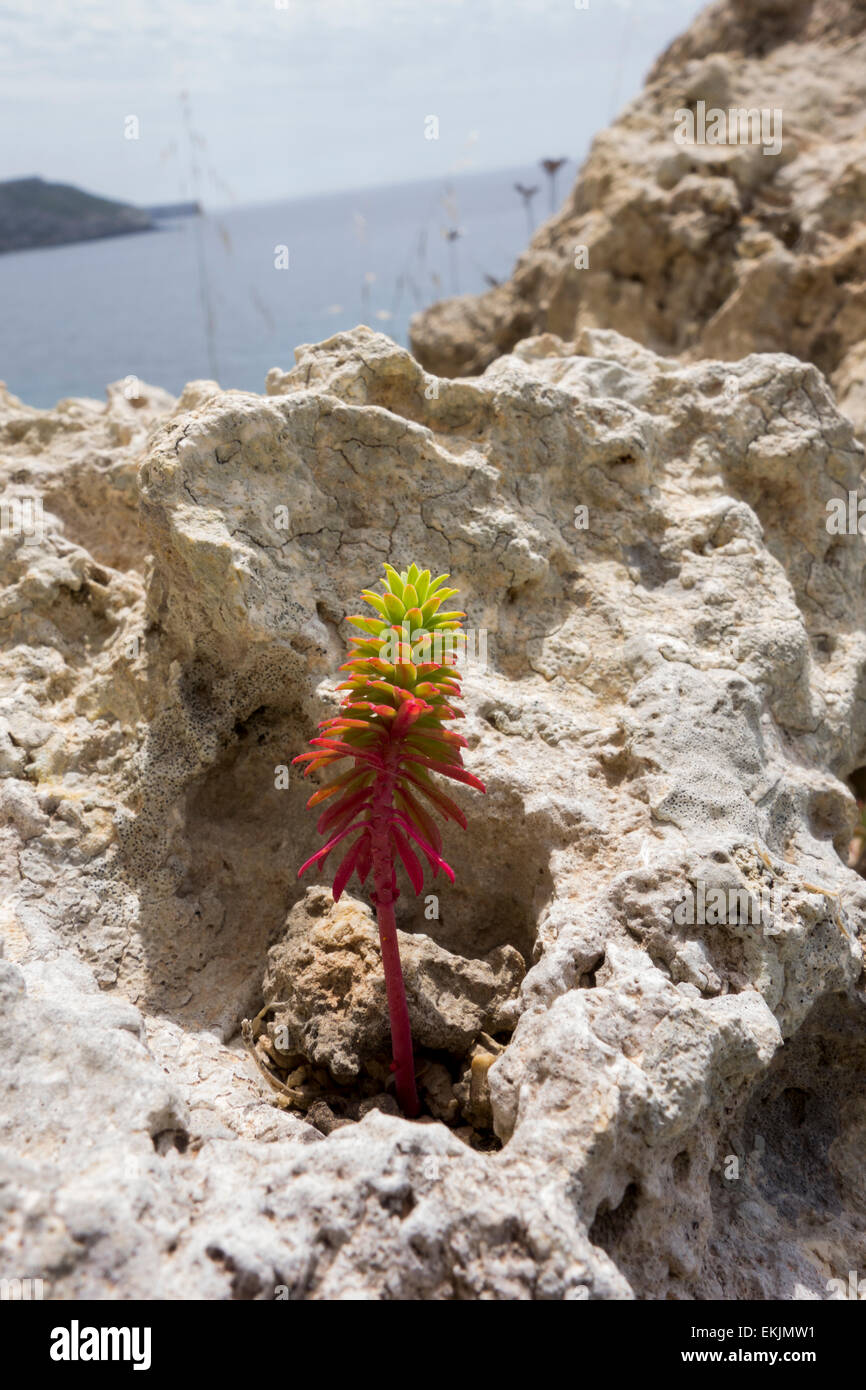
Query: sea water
[{"x": 231, "y": 294}]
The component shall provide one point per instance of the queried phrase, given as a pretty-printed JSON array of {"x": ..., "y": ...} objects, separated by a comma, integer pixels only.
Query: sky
[{"x": 289, "y": 98}]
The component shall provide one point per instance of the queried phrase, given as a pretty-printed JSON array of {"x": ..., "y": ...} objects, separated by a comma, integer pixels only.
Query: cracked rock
[{"x": 672, "y": 701}]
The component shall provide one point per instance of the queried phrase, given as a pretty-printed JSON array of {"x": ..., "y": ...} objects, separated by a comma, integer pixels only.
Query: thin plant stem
[
  {"x": 401, "y": 1034},
  {"x": 385, "y": 879}
]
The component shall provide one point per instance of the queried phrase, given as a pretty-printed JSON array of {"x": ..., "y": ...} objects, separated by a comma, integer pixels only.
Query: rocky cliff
[
  {"x": 700, "y": 238},
  {"x": 625, "y": 1095}
]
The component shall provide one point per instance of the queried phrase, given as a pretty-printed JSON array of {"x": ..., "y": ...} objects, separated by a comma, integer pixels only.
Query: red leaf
[
  {"x": 347, "y": 749},
  {"x": 415, "y": 812},
  {"x": 320, "y": 760},
  {"x": 321, "y": 855},
  {"x": 459, "y": 774},
  {"x": 351, "y": 802},
  {"x": 342, "y": 784},
  {"x": 344, "y": 723},
  {"x": 449, "y": 809},
  {"x": 439, "y": 736},
  {"x": 434, "y": 858},
  {"x": 384, "y": 711},
  {"x": 409, "y": 711},
  {"x": 410, "y": 859},
  {"x": 347, "y": 866},
  {"x": 419, "y": 743}
]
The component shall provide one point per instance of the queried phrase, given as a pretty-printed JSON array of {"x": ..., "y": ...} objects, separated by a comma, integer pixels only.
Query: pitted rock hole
[
  {"x": 612, "y": 1224},
  {"x": 809, "y": 1117},
  {"x": 799, "y": 1160},
  {"x": 234, "y": 847},
  {"x": 236, "y": 840}
]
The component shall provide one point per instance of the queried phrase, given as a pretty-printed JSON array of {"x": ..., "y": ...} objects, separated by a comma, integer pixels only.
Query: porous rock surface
[
  {"x": 325, "y": 981},
  {"x": 674, "y": 695},
  {"x": 700, "y": 249}
]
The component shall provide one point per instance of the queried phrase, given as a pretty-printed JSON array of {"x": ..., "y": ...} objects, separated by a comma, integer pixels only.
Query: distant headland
[{"x": 36, "y": 213}]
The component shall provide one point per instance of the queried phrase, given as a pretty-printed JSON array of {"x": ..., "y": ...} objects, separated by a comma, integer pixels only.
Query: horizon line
[{"x": 221, "y": 207}]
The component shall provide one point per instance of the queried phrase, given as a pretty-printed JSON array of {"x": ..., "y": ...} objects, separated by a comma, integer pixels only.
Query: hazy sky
[{"x": 289, "y": 97}]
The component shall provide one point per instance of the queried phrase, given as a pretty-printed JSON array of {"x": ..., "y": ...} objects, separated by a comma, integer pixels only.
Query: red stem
[
  {"x": 401, "y": 1032},
  {"x": 385, "y": 879}
]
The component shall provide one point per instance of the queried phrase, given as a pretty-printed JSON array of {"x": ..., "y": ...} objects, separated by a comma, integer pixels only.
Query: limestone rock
[
  {"x": 325, "y": 981},
  {"x": 671, "y": 706},
  {"x": 706, "y": 249}
]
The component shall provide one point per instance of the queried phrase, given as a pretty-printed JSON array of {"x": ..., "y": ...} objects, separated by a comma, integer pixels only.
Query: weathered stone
[
  {"x": 326, "y": 985},
  {"x": 673, "y": 697},
  {"x": 698, "y": 249}
]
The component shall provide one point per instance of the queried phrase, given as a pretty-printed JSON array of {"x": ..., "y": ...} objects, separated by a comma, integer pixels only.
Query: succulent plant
[{"x": 401, "y": 687}]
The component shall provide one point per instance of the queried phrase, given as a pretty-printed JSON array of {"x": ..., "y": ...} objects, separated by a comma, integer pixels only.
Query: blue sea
[{"x": 230, "y": 294}]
